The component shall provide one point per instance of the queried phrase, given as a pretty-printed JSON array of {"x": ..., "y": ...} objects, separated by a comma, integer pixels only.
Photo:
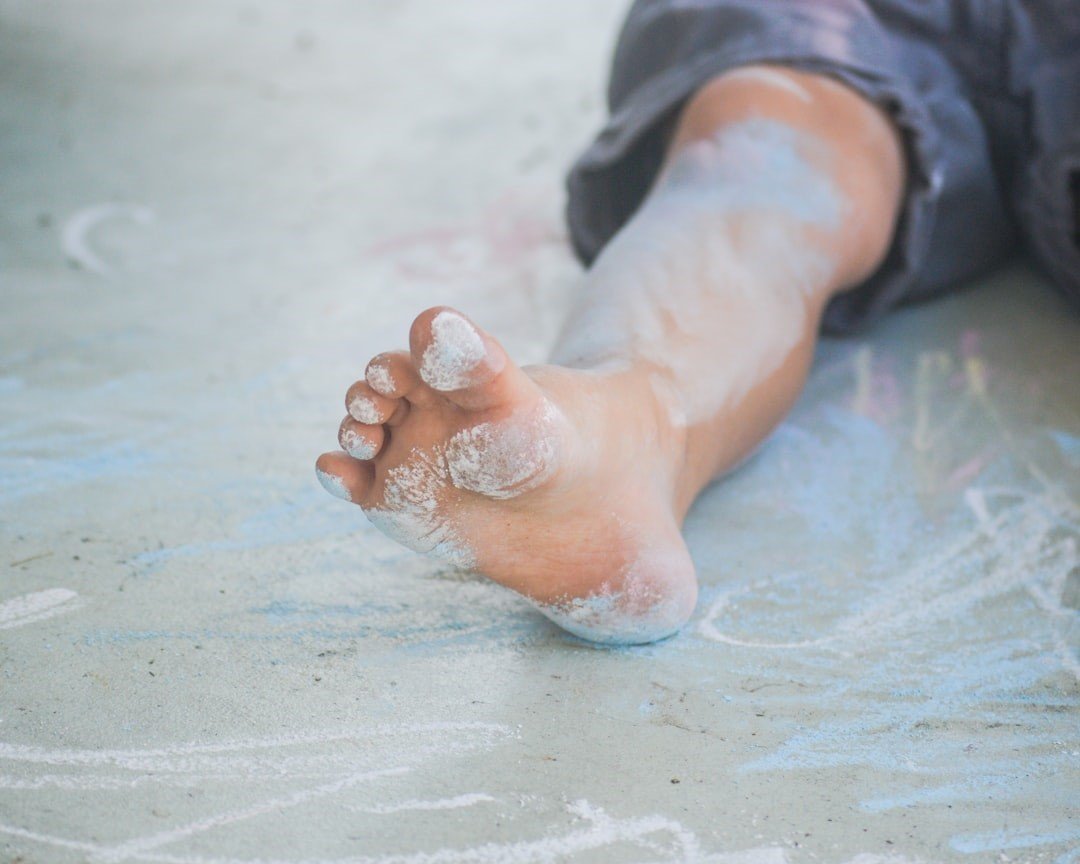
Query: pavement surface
[{"x": 213, "y": 214}]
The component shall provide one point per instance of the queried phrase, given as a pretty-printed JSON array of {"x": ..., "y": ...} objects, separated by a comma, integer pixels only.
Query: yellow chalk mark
[
  {"x": 932, "y": 367},
  {"x": 975, "y": 372}
]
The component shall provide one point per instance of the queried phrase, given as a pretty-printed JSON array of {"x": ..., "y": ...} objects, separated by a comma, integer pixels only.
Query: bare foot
[{"x": 559, "y": 483}]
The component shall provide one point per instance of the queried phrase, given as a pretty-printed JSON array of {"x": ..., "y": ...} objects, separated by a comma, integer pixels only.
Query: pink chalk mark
[
  {"x": 886, "y": 398},
  {"x": 508, "y": 232},
  {"x": 971, "y": 469}
]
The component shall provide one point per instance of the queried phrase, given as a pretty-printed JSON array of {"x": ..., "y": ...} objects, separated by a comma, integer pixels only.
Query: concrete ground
[{"x": 213, "y": 213}]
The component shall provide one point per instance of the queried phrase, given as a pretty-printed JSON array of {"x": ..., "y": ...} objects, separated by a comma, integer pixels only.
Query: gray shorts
[{"x": 985, "y": 92}]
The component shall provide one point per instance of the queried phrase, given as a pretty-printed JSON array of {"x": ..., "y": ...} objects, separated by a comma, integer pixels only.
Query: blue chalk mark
[
  {"x": 1069, "y": 445},
  {"x": 1000, "y": 840},
  {"x": 308, "y": 515},
  {"x": 77, "y": 460}
]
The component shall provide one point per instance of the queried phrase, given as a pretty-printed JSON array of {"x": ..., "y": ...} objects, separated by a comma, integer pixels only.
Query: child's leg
[{"x": 691, "y": 340}]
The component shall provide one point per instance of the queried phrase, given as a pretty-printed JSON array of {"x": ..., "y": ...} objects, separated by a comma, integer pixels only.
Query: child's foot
[{"x": 559, "y": 483}]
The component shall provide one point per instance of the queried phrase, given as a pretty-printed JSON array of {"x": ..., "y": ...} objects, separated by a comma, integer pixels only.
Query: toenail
[
  {"x": 456, "y": 349},
  {"x": 379, "y": 377},
  {"x": 357, "y": 445},
  {"x": 363, "y": 410},
  {"x": 333, "y": 484}
]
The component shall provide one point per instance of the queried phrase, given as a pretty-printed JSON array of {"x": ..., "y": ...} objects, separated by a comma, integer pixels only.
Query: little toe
[
  {"x": 366, "y": 406},
  {"x": 344, "y": 477},
  {"x": 359, "y": 440},
  {"x": 461, "y": 361}
]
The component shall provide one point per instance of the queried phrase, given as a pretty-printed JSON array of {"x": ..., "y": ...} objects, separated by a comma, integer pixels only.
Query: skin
[{"x": 609, "y": 452}]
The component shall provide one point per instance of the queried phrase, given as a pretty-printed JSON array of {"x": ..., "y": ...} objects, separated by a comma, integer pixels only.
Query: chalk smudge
[
  {"x": 721, "y": 238},
  {"x": 75, "y": 235},
  {"x": 83, "y": 459},
  {"x": 37, "y": 606}
]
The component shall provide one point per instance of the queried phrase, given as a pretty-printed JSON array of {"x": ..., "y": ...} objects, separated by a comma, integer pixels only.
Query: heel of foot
[{"x": 653, "y": 602}]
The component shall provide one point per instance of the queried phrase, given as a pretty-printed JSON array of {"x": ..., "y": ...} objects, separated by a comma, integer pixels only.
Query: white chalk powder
[
  {"x": 357, "y": 445},
  {"x": 652, "y": 601},
  {"x": 497, "y": 460},
  {"x": 363, "y": 410},
  {"x": 724, "y": 238},
  {"x": 36, "y": 606},
  {"x": 379, "y": 377},
  {"x": 456, "y": 349},
  {"x": 506, "y": 459},
  {"x": 411, "y": 512},
  {"x": 333, "y": 484}
]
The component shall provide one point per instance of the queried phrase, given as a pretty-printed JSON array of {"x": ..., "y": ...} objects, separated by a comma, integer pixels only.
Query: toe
[
  {"x": 450, "y": 351},
  {"x": 344, "y": 477},
  {"x": 461, "y": 361},
  {"x": 359, "y": 440},
  {"x": 366, "y": 406},
  {"x": 391, "y": 374}
]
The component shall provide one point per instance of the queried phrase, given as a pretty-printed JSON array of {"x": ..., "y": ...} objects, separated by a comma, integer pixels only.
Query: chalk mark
[
  {"x": 138, "y": 847},
  {"x": 75, "y": 235},
  {"x": 37, "y": 606},
  {"x": 1015, "y": 548},
  {"x": 249, "y": 762},
  {"x": 600, "y": 831},
  {"x": 458, "y": 801}
]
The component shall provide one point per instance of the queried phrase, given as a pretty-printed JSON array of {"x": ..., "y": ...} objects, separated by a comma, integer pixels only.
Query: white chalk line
[
  {"x": 135, "y": 848},
  {"x": 36, "y": 606},
  {"x": 248, "y": 760},
  {"x": 47, "y": 839},
  {"x": 1058, "y": 560},
  {"x": 600, "y": 831},
  {"x": 1008, "y": 546},
  {"x": 193, "y": 780},
  {"x": 244, "y": 762},
  {"x": 853, "y": 626},
  {"x": 458, "y": 801},
  {"x": 186, "y": 757},
  {"x": 75, "y": 235}
]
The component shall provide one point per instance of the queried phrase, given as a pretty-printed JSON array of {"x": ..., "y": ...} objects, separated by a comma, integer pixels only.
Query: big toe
[{"x": 462, "y": 362}]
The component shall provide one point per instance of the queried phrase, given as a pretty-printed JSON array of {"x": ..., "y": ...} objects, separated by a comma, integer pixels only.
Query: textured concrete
[{"x": 212, "y": 215}]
